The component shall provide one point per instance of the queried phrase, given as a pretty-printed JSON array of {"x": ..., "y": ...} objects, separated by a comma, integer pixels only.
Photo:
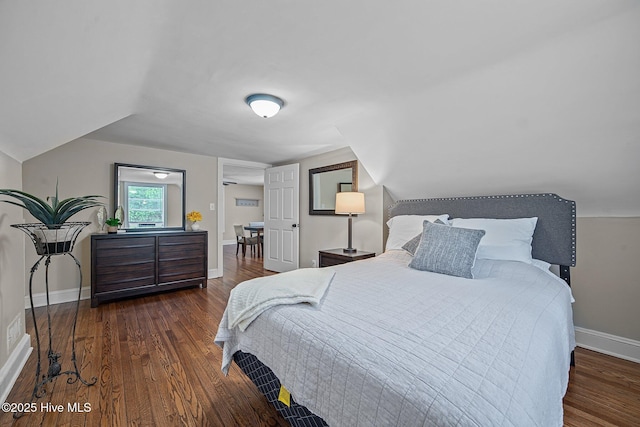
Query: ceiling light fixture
[
  {"x": 264, "y": 105},
  {"x": 161, "y": 175}
]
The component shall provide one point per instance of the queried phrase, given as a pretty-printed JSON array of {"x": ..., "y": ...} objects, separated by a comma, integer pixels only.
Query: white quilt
[
  {"x": 393, "y": 346},
  {"x": 250, "y": 298}
]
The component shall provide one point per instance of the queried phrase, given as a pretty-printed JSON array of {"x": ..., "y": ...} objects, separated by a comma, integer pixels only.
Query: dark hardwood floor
[
  {"x": 155, "y": 361},
  {"x": 157, "y": 365}
]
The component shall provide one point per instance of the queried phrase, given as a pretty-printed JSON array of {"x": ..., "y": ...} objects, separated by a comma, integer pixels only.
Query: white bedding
[
  {"x": 393, "y": 346},
  {"x": 250, "y": 298}
]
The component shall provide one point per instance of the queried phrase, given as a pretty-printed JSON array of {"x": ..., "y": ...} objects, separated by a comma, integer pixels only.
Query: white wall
[
  {"x": 12, "y": 271},
  {"x": 319, "y": 232},
  {"x": 85, "y": 166},
  {"x": 606, "y": 279}
]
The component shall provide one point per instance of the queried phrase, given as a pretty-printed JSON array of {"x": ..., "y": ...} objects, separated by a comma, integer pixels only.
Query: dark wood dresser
[
  {"x": 329, "y": 257},
  {"x": 133, "y": 264}
]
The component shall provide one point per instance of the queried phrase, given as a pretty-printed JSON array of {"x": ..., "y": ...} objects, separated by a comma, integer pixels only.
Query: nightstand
[{"x": 329, "y": 257}]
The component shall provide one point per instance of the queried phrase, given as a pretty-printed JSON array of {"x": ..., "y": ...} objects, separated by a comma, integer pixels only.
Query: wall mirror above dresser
[
  {"x": 149, "y": 198},
  {"x": 326, "y": 181}
]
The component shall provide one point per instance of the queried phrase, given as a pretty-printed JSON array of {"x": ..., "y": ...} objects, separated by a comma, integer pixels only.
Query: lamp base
[{"x": 349, "y": 250}]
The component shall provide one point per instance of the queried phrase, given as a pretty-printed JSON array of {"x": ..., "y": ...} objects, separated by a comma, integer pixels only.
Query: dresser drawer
[{"x": 126, "y": 265}]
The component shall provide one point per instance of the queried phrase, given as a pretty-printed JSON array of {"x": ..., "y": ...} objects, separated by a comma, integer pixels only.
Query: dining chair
[
  {"x": 255, "y": 233},
  {"x": 242, "y": 240}
]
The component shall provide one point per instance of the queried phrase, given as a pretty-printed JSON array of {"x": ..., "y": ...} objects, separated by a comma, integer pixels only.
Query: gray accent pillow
[
  {"x": 412, "y": 245},
  {"x": 447, "y": 250}
]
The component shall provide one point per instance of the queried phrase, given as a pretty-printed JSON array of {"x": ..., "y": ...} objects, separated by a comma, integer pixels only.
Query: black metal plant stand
[{"x": 51, "y": 241}]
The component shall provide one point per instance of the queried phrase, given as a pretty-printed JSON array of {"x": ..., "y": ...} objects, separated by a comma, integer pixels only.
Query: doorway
[{"x": 232, "y": 172}]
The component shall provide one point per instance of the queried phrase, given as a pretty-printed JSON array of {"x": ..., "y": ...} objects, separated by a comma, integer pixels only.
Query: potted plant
[
  {"x": 112, "y": 225},
  {"x": 53, "y": 234},
  {"x": 194, "y": 217}
]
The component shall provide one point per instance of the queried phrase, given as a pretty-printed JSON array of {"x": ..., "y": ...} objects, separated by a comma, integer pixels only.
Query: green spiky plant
[
  {"x": 113, "y": 222},
  {"x": 54, "y": 214}
]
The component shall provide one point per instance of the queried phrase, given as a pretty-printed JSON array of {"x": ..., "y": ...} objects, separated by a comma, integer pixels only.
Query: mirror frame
[
  {"x": 353, "y": 164},
  {"x": 116, "y": 186}
]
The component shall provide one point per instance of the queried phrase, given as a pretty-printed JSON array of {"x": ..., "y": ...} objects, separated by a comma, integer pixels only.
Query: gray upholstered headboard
[{"x": 554, "y": 239}]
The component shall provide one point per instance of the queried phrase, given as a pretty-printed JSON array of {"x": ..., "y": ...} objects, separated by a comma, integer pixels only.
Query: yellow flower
[{"x": 194, "y": 216}]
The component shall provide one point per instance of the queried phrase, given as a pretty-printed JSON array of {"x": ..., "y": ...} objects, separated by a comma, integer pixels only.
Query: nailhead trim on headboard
[{"x": 418, "y": 204}]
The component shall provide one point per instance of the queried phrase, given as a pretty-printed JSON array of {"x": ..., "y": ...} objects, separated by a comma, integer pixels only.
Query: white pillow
[
  {"x": 403, "y": 228},
  {"x": 505, "y": 239}
]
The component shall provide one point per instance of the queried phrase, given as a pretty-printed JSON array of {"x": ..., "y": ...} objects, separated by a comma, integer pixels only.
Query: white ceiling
[
  {"x": 232, "y": 174},
  {"x": 436, "y": 98}
]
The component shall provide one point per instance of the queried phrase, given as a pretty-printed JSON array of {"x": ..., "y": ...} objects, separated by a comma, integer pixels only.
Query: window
[
  {"x": 145, "y": 205},
  {"x": 247, "y": 202}
]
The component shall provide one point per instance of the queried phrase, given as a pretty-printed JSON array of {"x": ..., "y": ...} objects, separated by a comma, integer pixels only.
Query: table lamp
[{"x": 349, "y": 202}]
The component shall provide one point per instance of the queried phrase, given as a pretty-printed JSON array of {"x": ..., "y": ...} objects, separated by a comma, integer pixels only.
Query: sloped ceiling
[{"x": 436, "y": 98}]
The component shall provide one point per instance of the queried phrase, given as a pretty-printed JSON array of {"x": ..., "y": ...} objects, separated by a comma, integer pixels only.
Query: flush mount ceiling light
[
  {"x": 161, "y": 175},
  {"x": 264, "y": 105}
]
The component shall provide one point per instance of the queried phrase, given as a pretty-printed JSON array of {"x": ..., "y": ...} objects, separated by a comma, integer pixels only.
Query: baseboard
[
  {"x": 623, "y": 348},
  {"x": 214, "y": 273},
  {"x": 57, "y": 297},
  {"x": 229, "y": 242},
  {"x": 10, "y": 371}
]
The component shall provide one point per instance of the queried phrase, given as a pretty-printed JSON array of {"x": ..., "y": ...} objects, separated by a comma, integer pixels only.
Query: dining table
[{"x": 259, "y": 230}]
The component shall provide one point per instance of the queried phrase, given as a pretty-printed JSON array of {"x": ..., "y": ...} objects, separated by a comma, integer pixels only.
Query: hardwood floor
[
  {"x": 155, "y": 361},
  {"x": 603, "y": 391},
  {"x": 157, "y": 365}
]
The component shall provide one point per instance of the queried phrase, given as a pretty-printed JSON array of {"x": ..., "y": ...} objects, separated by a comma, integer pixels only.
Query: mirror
[
  {"x": 151, "y": 198},
  {"x": 326, "y": 181}
]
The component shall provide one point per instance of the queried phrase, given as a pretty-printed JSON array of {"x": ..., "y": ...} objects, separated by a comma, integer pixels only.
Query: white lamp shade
[
  {"x": 265, "y": 109},
  {"x": 349, "y": 202},
  {"x": 264, "y": 105}
]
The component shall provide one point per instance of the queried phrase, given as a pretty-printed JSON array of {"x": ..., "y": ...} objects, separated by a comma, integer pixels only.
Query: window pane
[{"x": 145, "y": 205}]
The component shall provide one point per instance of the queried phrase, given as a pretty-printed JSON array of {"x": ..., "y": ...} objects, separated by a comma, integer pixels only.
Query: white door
[{"x": 281, "y": 217}]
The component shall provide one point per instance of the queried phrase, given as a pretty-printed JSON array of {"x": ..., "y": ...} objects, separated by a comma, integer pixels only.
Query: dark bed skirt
[{"x": 266, "y": 381}]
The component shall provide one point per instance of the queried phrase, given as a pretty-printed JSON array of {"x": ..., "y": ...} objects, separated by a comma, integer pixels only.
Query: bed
[{"x": 393, "y": 345}]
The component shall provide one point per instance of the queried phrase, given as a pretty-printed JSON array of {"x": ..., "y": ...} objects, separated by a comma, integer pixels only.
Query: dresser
[
  {"x": 329, "y": 257},
  {"x": 133, "y": 264}
]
